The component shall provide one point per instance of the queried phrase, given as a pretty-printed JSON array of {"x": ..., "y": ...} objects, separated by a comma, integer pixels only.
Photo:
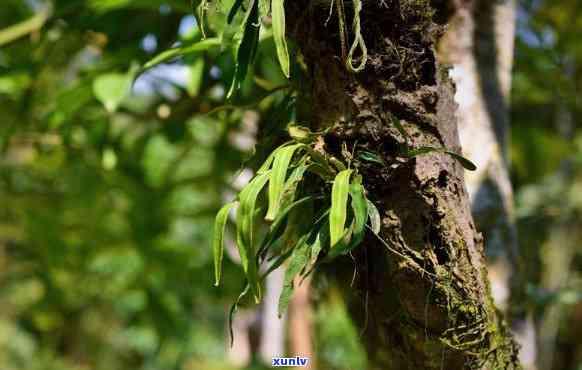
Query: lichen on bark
[{"x": 421, "y": 294}]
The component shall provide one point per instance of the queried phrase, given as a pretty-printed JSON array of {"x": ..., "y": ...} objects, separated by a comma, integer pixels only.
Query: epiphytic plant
[{"x": 312, "y": 219}]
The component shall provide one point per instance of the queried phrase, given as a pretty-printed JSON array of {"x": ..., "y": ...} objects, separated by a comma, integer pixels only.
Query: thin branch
[{"x": 33, "y": 24}]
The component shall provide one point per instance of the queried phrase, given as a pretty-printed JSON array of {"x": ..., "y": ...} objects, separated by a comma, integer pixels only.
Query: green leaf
[
  {"x": 301, "y": 134},
  {"x": 338, "y": 213},
  {"x": 290, "y": 188},
  {"x": 321, "y": 240},
  {"x": 277, "y": 227},
  {"x": 303, "y": 239},
  {"x": 400, "y": 128},
  {"x": 320, "y": 171},
  {"x": 269, "y": 161},
  {"x": 194, "y": 5},
  {"x": 196, "y": 79},
  {"x": 233, "y": 10},
  {"x": 467, "y": 164},
  {"x": 360, "y": 208},
  {"x": 233, "y": 310},
  {"x": 277, "y": 180},
  {"x": 200, "y": 10},
  {"x": 218, "y": 240},
  {"x": 165, "y": 56},
  {"x": 374, "y": 217},
  {"x": 246, "y": 49},
  {"x": 422, "y": 151},
  {"x": 278, "y": 262},
  {"x": 324, "y": 169},
  {"x": 298, "y": 261},
  {"x": 278, "y": 15},
  {"x": 245, "y": 220},
  {"x": 264, "y": 8},
  {"x": 371, "y": 157},
  {"x": 356, "y": 231},
  {"x": 111, "y": 88}
]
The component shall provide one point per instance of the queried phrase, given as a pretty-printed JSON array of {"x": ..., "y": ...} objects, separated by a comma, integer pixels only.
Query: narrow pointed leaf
[
  {"x": 297, "y": 262},
  {"x": 277, "y": 179},
  {"x": 218, "y": 240},
  {"x": 400, "y": 128},
  {"x": 233, "y": 10},
  {"x": 339, "y": 200},
  {"x": 320, "y": 171},
  {"x": 278, "y": 14},
  {"x": 171, "y": 54},
  {"x": 371, "y": 157},
  {"x": 270, "y": 158},
  {"x": 233, "y": 310},
  {"x": 290, "y": 188},
  {"x": 321, "y": 241},
  {"x": 277, "y": 227},
  {"x": 355, "y": 233},
  {"x": 246, "y": 49},
  {"x": 467, "y": 164},
  {"x": 278, "y": 262},
  {"x": 421, "y": 151},
  {"x": 360, "y": 208},
  {"x": 245, "y": 221},
  {"x": 267, "y": 163}
]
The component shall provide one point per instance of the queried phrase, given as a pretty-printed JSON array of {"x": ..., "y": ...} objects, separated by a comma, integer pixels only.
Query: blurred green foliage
[
  {"x": 547, "y": 172},
  {"x": 109, "y": 186}
]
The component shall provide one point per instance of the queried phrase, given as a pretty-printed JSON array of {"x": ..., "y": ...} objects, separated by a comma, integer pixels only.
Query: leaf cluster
[{"x": 315, "y": 210}]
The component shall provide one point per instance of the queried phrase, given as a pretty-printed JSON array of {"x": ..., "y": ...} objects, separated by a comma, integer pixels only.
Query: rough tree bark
[
  {"x": 427, "y": 302},
  {"x": 480, "y": 46}
]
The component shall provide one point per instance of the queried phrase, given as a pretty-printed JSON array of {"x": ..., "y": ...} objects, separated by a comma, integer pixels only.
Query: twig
[{"x": 12, "y": 33}]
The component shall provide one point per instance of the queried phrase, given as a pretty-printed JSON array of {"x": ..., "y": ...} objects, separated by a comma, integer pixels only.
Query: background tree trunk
[
  {"x": 272, "y": 327},
  {"x": 300, "y": 323},
  {"x": 480, "y": 45},
  {"x": 426, "y": 300}
]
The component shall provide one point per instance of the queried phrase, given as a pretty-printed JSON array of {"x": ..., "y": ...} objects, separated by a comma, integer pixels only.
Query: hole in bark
[
  {"x": 390, "y": 146},
  {"x": 437, "y": 246},
  {"x": 428, "y": 70},
  {"x": 443, "y": 179},
  {"x": 332, "y": 143}
]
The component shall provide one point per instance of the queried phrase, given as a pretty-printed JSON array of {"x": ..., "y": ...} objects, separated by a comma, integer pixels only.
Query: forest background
[{"x": 108, "y": 190}]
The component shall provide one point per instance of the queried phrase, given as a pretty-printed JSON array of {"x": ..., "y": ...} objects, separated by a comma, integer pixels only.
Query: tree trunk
[
  {"x": 480, "y": 46},
  {"x": 427, "y": 300}
]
